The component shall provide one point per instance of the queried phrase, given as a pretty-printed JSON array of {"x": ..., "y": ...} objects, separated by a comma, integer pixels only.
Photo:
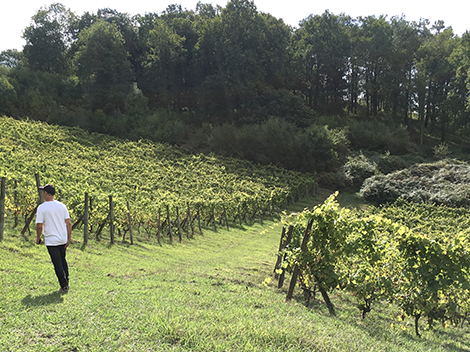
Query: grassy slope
[{"x": 211, "y": 293}]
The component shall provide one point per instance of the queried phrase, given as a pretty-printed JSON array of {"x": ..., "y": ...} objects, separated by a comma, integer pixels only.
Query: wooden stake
[
  {"x": 2, "y": 207},
  {"x": 213, "y": 218},
  {"x": 290, "y": 231},
  {"x": 226, "y": 219},
  {"x": 129, "y": 219},
  {"x": 190, "y": 221},
  {"x": 199, "y": 220},
  {"x": 169, "y": 223},
  {"x": 111, "y": 219},
  {"x": 303, "y": 247},
  {"x": 179, "y": 224},
  {"x": 85, "y": 221},
  {"x": 15, "y": 199},
  {"x": 38, "y": 184},
  {"x": 159, "y": 225}
]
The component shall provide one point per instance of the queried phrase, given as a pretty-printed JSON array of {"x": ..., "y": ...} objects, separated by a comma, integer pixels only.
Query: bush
[
  {"x": 278, "y": 142},
  {"x": 443, "y": 182},
  {"x": 387, "y": 163},
  {"x": 441, "y": 151},
  {"x": 377, "y": 136},
  {"x": 357, "y": 169}
]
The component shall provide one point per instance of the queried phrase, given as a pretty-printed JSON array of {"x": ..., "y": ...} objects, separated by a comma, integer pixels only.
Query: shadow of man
[{"x": 43, "y": 300}]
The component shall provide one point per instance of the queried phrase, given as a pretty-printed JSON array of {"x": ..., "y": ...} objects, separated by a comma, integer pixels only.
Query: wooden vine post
[
  {"x": 15, "y": 199},
  {"x": 303, "y": 247},
  {"x": 129, "y": 219},
  {"x": 29, "y": 218},
  {"x": 179, "y": 224},
  {"x": 283, "y": 245},
  {"x": 159, "y": 225},
  {"x": 213, "y": 218},
  {"x": 111, "y": 219},
  {"x": 38, "y": 184},
  {"x": 2, "y": 207},
  {"x": 190, "y": 219},
  {"x": 279, "y": 255},
  {"x": 226, "y": 218},
  {"x": 169, "y": 223},
  {"x": 85, "y": 221},
  {"x": 199, "y": 220}
]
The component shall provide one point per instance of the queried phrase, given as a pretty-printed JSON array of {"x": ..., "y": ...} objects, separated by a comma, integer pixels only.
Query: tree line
[{"x": 133, "y": 75}]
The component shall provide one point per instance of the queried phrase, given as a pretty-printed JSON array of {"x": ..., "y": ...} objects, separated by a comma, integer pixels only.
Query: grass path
[{"x": 210, "y": 293}]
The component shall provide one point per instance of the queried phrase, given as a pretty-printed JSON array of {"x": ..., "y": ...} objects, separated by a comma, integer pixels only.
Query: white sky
[{"x": 15, "y": 15}]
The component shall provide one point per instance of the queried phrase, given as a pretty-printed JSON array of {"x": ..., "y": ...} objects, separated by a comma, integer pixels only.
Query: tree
[
  {"x": 240, "y": 55},
  {"x": 433, "y": 65},
  {"x": 165, "y": 57},
  {"x": 376, "y": 52},
  {"x": 406, "y": 40},
  {"x": 103, "y": 66},
  {"x": 11, "y": 58},
  {"x": 47, "y": 39},
  {"x": 460, "y": 61},
  {"x": 8, "y": 95},
  {"x": 321, "y": 51}
]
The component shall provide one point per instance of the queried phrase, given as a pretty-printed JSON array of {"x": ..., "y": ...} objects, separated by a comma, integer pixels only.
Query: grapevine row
[
  {"x": 375, "y": 255},
  {"x": 149, "y": 176}
]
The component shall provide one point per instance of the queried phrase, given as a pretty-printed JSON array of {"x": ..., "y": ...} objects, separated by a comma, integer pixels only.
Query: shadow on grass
[{"x": 43, "y": 300}]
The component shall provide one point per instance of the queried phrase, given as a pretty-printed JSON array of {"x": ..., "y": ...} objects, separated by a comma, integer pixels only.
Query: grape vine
[{"x": 150, "y": 176}]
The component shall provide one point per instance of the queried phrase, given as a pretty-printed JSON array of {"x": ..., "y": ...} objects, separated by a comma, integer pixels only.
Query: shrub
[
  {"x": 387, "y": 163},
  {"x": 357, "y": 169},
  {"x": 443, "y": 182},
  {"x": 441, "y": 151},
  {"x": 278, "y": 142},
  {"x": 377, "y": 136}
]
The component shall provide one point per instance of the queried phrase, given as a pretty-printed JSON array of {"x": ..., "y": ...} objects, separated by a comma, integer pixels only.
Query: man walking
[{"x": 53, "y": 219}]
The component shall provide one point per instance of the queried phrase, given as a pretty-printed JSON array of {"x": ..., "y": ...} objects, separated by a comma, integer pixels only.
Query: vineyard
[
  {"x": 415, "y": 256},
  {"x": 156, "y": 180}
]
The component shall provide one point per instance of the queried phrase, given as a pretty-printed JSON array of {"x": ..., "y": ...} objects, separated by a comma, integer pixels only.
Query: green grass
[{"x": 214, "y": 292}]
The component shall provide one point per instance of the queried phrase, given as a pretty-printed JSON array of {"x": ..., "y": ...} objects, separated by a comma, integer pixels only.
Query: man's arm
[
  {"x": 68, "y": 224},
  {"x": 39, "y": 228}
]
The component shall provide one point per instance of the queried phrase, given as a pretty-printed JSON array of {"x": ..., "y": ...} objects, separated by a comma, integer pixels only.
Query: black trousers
[{"x": 61, "y": 267}]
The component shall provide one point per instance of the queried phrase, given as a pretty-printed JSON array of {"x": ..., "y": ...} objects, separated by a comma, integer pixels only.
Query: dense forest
[{"x": 240, "y": 82}]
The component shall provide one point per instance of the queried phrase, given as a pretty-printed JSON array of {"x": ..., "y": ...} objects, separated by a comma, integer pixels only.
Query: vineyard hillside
[{"x": 151, "y": 177}]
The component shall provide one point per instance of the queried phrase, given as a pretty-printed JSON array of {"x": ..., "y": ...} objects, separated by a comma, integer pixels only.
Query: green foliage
[
  {"x": 149, "y": 176},
  {"x": 210, "y": 294},
  {"x": 46, "y": 39},
  {"x": 441, "y": 151},
  {"x": 443, "y": 182},
  {"x": 278, "y": 142},
  {"x": 387, "y": 163},
  {"x": 394, "y": 255},
  {"x": 357, "y": 169},
  {"x": 320, "y": 51},
  {"x": 8, "y": 94},
  {"x": 238, "y": 65},
  {"x": 377, "y": 136},
  {"x": 103, "y": 66}
]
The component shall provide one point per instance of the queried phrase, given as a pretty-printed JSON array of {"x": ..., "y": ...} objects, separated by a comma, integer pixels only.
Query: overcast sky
[{"x": 16, "y": 15}]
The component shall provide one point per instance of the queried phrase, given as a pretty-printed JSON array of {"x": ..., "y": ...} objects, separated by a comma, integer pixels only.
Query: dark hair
[{"x": 48, "y": 188}]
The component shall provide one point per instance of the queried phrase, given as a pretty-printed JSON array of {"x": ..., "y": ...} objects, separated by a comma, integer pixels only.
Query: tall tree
[
  {"x": 376, "y": 54},
  {"x": 47, "y": 39},
  {"x": 321, "y": 51},
  {"x": 240, "y": 54},
  {"x": 165, "y": 57},
  {"x": 434, "y": 66},
  {"x": 103, "y": 66},
  {"x": 400, "y": 88}
]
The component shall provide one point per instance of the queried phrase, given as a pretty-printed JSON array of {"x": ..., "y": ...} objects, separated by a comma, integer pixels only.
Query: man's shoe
[{"x": 64, "y": 290}]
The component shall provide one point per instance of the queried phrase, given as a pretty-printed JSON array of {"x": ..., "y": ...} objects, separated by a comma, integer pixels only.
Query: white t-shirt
[{"x": 53, "y": 214}]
